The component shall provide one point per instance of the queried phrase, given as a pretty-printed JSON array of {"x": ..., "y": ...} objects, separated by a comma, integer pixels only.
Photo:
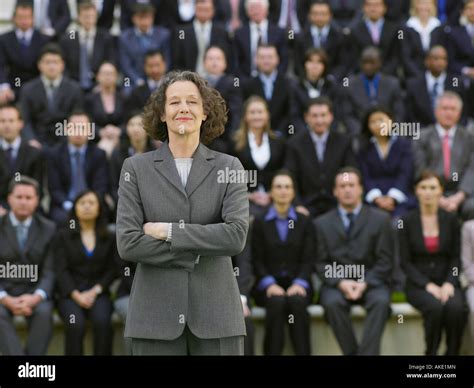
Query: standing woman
[
  {"x": 182, "y": 213},
  {"x": 86, "y": 256},
  {"x": 430, "y": 257}
]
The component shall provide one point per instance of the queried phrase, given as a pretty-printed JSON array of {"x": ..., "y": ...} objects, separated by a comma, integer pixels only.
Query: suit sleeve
[
  {"x": 110, "y": 273},
  {"x": 132, "y": 243},
  {"x": 455, "y": 252},
  {"x": 65, "y": 281},
  {"x": 46, "y": 281},
  {"x": 322, "y": 256},
  {"x": 258, "y": 250},
  {"x": 467, "y": 253},
  {"x": 307, "y": 264},
  {"x": 222, "y": 239}
]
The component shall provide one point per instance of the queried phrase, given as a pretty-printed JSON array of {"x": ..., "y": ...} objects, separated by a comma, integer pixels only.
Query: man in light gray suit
[
  {"x": 448, "y": 149},
  {"x": 26, "y": 260},
  {"x": 182, "y": 212},
  {"x": 467, "y": 255},
  {"x": 354, "y": 261}
]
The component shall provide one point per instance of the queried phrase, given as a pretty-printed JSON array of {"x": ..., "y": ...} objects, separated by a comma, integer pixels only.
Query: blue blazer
[
  {"x": 460, "y": 49},
  {"x": 132, "y": 55}
]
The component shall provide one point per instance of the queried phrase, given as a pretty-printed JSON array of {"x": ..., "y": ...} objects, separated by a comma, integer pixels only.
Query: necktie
[
  {"x": 447, "y": 157},
  {"x": 84, "y": 64},
  {"x": 24, "y": 46},
  {"x": 144, "y": 42},
  {"x": 434, "y": 94},
  {"x": 52, "y": 96},
  {"x": 21, "y": 234},
  {"x": 268, "y": 85},
  {"x": 375, "y": 33},
  {"x": 260, "y": 36},
  {"x": 79, "y": 181},
  {"x": 288, "y": 16},
  {"x": 201, "y": 43},
  {"x": 350, "y": 217},
  {"x": 372, "y": 92},
  {"x": 9, "y": 157}
]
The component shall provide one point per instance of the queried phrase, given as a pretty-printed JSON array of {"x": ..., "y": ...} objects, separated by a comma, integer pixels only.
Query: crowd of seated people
[{"x": 355, "y": 117}]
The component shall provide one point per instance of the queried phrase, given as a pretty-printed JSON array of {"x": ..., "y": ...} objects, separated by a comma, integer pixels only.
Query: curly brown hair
[{"x": 214, "y": 107}]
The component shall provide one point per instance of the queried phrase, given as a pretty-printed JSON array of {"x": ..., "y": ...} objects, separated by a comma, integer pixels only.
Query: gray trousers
[
  {"x": 121, "y": 308},
  {"x": 40, "y": 326},
  {"x": 189, "y": 344}
]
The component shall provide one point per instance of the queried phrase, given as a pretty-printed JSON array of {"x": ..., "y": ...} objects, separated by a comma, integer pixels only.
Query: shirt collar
[
  {"x": 72, "y": 149},
  {"x": 91, "y": 32},
  {"x": 272, "y": 77},
  {"x": 252, "y": 141},
  {"x": 263, "y": 25},
  {"x": 148, "y": 33},
  {"x": 343, "y": 212},
  {"x": 28, "y": 34},
  {"x": 414, "y": 22},
  {"x": 379, "y": 23},
  {"x": 324, "y": 31},
  {"x": 55, "y": 82},
  {"x": 15, "y": 221},
  {"x": 272, "y": 214},
  {"x": 207, "y": 25},
  {"x": 15, "y": 145},
  {"x": 318, "y": 138},
  {"x": 442, "y": 132},
  {"x": 431, "y": 79}
]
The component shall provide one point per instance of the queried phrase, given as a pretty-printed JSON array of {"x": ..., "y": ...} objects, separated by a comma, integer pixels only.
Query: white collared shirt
[
  {"x": 260, "y": 153},
  {"x": 317, "y": 32},
  {"x": 320, "y": 143},
  {"x": 442, "y": 133},
  {"x": 424, "y": 31},
  {"x": 254, "y": 34},
  {"x": 28, "y": 34},
  {"x": 15, "y": 145},
  {"x": 293, "y": 16},
  {"x": 47, "y": 82},
  {"x": 430, "y": 81},
  {"x": 90, "y": 38}
]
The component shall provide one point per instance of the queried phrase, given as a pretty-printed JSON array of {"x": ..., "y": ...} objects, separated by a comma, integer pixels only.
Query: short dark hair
[
  {"x": 285, "y": 172},
  {"x": 268, "y": 45},
  {"x": 23, "y": 4},
  {"x": 23, "y": 180},
  {"x": 152, "y": 53},
  {"x": 79, "y": 112},
  {"x": 321, "y": 100},
  {"x": 320, "y": 2},
  {"x": 15, "y": 107},
  {"x": 322, "y": 56},
  {"x": 213, "y": 104},
  {"x": 83, "y": 5},
  {"x": 428, "y": 174},
  {"x": 142, "y": 8},
  {"x": 51, "y": 48},
  {"x": 349, "y": 170}
]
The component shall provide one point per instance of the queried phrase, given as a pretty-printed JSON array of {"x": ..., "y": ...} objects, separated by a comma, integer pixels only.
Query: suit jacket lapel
[
  {"x": 456, "y": 149},
  {"x": 11, "y": 235},
  {"x": 200, "y": 168},
  {"x": 165, "y": 165},
  {"x": 337, "y": 224},
  {"x": 32, "y": 234},
  {"x": 360, "y": 221}
]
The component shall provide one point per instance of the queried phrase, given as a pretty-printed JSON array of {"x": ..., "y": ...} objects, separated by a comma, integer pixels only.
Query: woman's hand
[
  {"x": 447, "y": 291},
  {"x": 434, "y": 290},
  {"x": 295, "y": 290},
  {"x": 275, "y": 290},
  {"x": 84, "y": 299},
  {"x": 158, "y": 230}
]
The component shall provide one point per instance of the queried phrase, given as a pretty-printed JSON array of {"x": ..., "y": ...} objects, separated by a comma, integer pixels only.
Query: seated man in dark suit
[
  {"x": 322, "y": 33},
  {"x": 51, "y": 17},
  {"x": 375, "y": 30},
  {"x": 191, "y": 40},
  {"x": 25, "y": 240},
  {"x": 447, "y": 148},
  {"x": 259, "y": 30},
  {"x": 86, "y": 47},
  {"x": 423, "y": 91},
  {"x": 19, "y": 51},
  {"x": 354, "y": 261},
  {"x": 127, "y": 9},
  {"x": 274, "y": 86},
  {"x": 461, "y": 44},
  {"x": 215, "y": 66},
  {"x": 16, "y": 155},
  {"x": 155, "y": 68},
  {"x": 49, "y": 98},
  {"x": 314, "y": 155},
  {"x": 135, "y": 42},
  {"x": 75, "y": 166},
  {"x": 369, "y": 88}
]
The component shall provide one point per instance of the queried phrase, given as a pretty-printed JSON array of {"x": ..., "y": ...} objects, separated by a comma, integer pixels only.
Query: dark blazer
[
  {"x": 271, "y": 256},
  {"x": 418, "y": 100},
  {"x": 104, "y": 50},
  {"x": 422, "y": 267},
  {"x": 412, "y": 52},
  {"x": 242, "y": 48},
  {"x": 335, "y": 45},
  {"x": 460, "y": 49},
  {"x": 398, "y": 11},
  {"x": 40, "y": 122},
  {"x": 58, "y": 13},
  {"x": 233, "y": 98},
  {"x": 59, "y": 172},
  {"x": 76, "y": 271},
  {"x": 17, "y": 64},
  {"x": 137, "y": 99},
  {"x": 94, "y": 106},
  {"x": 389, "y": 45},
  {"x": 369, "y": 243},
  {"x": 277, "y": 159},
  {"x": 302, "y": 10},
  {"x": 280, "y": 104},
  {"x": 126, "y": 272},
  {"x": 185, "y": 51},
  {"x": 106, "y": 17},
  {"x": 314, "y": 179},
  {"x": 29, "y": 162},
  {"x": 346, "y": 12},
  {"x": 356, "y": 101},
  {"x": 132, "y": 55},
  {"x": 327, "y": 87},
  {"x": 38, "y": 251}
]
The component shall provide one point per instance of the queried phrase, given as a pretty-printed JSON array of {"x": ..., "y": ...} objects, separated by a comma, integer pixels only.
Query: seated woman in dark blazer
[
  {"x": 282, "y": 256},
  {"x": 430, "y": 257},
  {"x": 315, "y": 82},
  {"x": 105, "y": 105},
  {"x": 386, "y": 163},
  {"x": 86, "y": 257},
  {"x": 135, "y": 141},
  {"x": 258, "y": 149}
]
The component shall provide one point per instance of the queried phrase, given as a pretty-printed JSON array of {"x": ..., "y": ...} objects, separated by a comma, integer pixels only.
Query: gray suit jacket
[
  {"x": 189, "y": 280},
  {"x": 38, "y": 251},
  {"x": 428, "y": 152},
  {"x": 467, "y": 252},
  {"x": 370, "y": 243}
]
